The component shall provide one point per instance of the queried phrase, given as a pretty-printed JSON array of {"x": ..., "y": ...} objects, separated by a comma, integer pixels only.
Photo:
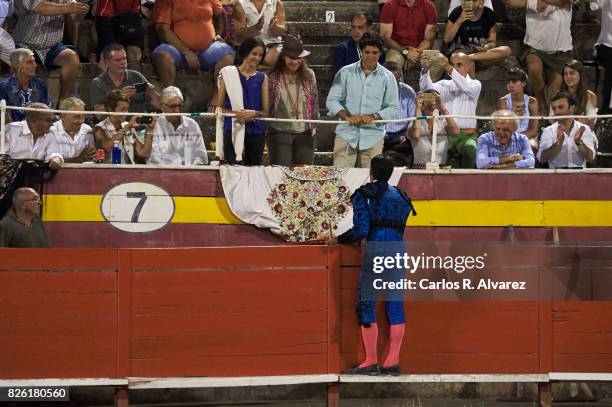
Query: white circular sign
[{"x": 137, "y": 207}]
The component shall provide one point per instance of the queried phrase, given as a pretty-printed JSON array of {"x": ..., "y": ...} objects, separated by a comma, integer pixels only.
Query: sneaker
[{"x": 372, "y": 370}]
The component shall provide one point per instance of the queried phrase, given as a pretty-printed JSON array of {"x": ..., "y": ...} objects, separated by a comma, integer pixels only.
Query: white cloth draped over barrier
[{"x": 300, "y": 204}]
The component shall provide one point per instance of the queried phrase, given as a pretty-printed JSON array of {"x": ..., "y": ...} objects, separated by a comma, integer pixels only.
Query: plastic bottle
[{"x": 116, "y": 154}]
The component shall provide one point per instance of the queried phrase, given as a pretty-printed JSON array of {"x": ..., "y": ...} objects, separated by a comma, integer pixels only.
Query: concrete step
[{"x": 316, "y": 10}]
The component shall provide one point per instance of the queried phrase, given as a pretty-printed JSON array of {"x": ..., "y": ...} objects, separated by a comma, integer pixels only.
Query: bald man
[
  {"x": 31, "y": 138},
  {"x": 22, "y": 226},
  {"x": 504, "y": 148},
  {"x": 460, "y": 95}
]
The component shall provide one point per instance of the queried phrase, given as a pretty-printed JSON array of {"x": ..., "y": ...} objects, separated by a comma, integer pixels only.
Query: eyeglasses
[
  {"x": 176, "y": 106},
  {"x": 35, "y": 200}
]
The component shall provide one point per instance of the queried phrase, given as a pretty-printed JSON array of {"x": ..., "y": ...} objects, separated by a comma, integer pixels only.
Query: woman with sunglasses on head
[
  {"x": 293, "y": 95},
  {"x": 243, "y": 91}
]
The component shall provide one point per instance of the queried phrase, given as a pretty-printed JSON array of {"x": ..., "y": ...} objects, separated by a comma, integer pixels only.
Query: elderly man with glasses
[
  {"x": 22, "y": 226},
  {"x": 177, "y": 140}
]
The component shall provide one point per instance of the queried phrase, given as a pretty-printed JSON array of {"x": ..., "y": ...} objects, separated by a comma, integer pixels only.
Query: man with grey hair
[
  {"x": 23, "y": 87},
  {"x": 504, "y": 148},
  {"x": 177, "y": 139},
  {"x": 30, "y": 138},
  {"x": 22, "y": 226},
  {"x": 74, "y": 138}
]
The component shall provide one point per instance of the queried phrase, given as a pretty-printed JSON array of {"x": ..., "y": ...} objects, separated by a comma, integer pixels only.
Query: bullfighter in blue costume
[{"x": 380, "y": 212}]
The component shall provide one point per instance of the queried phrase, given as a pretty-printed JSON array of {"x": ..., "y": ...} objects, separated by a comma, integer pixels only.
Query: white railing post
[
  {"x": 2, "y": 125},
  {"x": 219, "y": 132},
  {"x": 433, "y": 164}
]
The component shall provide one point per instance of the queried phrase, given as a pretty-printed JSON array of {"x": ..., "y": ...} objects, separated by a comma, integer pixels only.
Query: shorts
[
  {"x": 109, "y": 32},
  {"x": 52, "y": 54},
  {"x": 553, "y": 61},
  {"x": 208, "y": 57}
]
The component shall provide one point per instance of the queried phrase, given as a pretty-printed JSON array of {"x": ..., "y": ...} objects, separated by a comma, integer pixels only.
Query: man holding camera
[
  {"x": 132, "y": 84},
  {"x": 177, "y": 140}
]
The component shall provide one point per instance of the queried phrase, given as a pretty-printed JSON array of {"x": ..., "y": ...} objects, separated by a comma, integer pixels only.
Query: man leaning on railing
[{"x": 504, "y": 148}]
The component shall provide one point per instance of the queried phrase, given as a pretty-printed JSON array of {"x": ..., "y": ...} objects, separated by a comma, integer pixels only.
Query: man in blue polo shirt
[{"x": 361, "y": 93}]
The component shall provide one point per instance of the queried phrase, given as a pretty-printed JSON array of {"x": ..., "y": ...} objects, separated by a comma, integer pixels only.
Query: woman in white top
[
  {"x": 74, "y": 138},
  {"x": 115, "y": 128},
  {"x": 420, "y": 133},
  {"x": 262, "y": 19},
  {"x": 523, "y": 105}
]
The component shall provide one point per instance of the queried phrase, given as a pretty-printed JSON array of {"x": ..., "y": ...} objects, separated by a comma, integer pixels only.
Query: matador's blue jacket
[{"x": 380, "y": 212}]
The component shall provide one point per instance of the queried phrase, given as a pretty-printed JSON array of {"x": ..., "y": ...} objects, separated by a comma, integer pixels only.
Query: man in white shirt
[
  {"x": 74, "y": 139},
  {"x": 566, "y": 143},
  {"x": 177, "y": 140},
  {"x": 460, "y": 95},
  {"x": 604, "y": 51},
  {"x": 31, "y": 138},
  {"x": 549, "y": 44}
]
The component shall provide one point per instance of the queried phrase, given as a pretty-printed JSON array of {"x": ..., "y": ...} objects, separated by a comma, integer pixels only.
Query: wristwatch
[
  {"x": 579, "y": 143},
  {"x": 405, "y": 52}
]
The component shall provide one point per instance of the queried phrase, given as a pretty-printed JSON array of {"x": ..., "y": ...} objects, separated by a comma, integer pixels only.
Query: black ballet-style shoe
[
  {"x": 391, "y": 370},
  {"x": 372, "y": 370}
]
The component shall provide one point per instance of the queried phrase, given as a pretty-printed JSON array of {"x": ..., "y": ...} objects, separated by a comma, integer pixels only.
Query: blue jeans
[{"x": 208, "y": 58}]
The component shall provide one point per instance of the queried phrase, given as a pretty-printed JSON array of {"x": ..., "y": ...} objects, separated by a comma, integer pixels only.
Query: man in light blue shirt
[
  {"x": 361, "y": 93},
  {"x": 504, "y": 148}
]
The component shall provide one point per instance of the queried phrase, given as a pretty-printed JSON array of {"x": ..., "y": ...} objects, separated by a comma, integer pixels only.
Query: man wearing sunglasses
[
  {"x": 177, "y": 139},
  {"x": 22, "y": 226}
]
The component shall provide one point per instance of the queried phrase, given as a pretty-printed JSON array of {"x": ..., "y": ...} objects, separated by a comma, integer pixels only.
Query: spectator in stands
[
  {"x": 420, "y": 134},
  {"x": 347, "y": 52},
  {"x": 117, "y": 76},
  {"x": 457, "y": 3},
  {"x": 549, "y": 45},
  {"x": 120, "y": 22},
  {"x": 460, "y": 94},
  {"x": 23, "y": 88},
  {"x": 604, "y": 51},
  {"x": 586, "y": 100},
  {"x": 30, "y": 138},
  {"x": 115, "y": 128},
  {"x": 396, "y": 138},
  {"x": 244, "y": 91},
  {"x": 7, "y": 45},
  {"x": 504, "y": 148},
  {"x": 361, "y": 93},
  {"x": 263, "y": 19},
  {"x": 408, "y": 27},
  {"x": 471, "y": 28},
  {"x": 73, "y": 137},
  {"x": 41, "y": 28},
  {"x": 293, "y": 95},
  {"x": 21, "y": 226},
  {"x": 177, "y": 140},
  {"x": 523, "y": 105},
  {"x": 566, "y": 143},
  {"x": 190, "y": 34}
]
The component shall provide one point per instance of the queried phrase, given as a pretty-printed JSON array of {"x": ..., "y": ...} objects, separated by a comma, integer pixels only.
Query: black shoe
[
  {"x": 372, "y": 370},
  {"x": 391, "y": 370}
]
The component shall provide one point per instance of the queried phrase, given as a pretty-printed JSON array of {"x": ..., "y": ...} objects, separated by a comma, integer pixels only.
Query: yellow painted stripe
[{"x": 86, "y": 208}]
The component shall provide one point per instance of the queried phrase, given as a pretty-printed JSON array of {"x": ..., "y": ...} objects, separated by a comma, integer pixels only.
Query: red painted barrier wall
[{"x": 250, "y": 311}]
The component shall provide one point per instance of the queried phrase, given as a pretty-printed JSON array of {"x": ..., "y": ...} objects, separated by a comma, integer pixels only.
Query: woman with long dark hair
[
  {"x": 243, "y": 90},
  {"x": 294, "y": 95},
  {"x": 573, "y": 83}
]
